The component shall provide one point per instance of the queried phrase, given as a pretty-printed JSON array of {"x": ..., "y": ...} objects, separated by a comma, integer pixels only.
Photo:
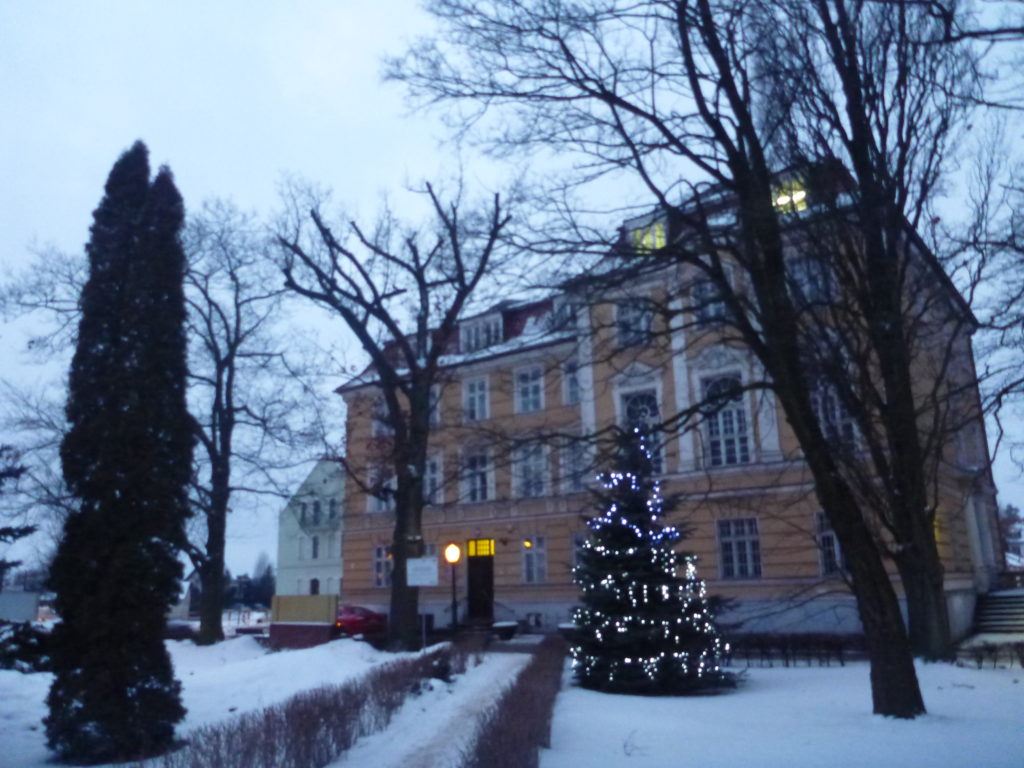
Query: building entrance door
[{"x": 480, "y": 580}]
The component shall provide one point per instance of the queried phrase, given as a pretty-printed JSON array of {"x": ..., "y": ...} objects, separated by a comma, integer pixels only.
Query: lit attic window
[
  {"x": 649, "y": 238},
  {"x": 790, "y": 197}
]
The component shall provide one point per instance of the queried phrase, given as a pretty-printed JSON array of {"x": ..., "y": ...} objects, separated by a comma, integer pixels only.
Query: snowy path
[{"x": 432, "y": 729}]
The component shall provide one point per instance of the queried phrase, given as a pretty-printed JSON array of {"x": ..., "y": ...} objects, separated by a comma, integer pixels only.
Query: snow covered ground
[
  {"x": 218, "y": 682},
  {"x": 798, "y": 718},
  {"x": 803, "y": 717}
]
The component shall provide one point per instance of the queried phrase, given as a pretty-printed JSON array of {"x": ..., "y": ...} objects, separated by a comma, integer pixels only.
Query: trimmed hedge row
[
  {"x": 315, "y": 727},
  {"x": 511, "y": 732}
]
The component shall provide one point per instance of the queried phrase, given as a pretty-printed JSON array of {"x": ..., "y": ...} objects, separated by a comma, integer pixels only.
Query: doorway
[{"x": 480, "y": 580}]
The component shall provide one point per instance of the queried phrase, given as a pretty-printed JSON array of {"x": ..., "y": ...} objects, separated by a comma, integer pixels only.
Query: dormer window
[
  {"x": 790, "y": 197},
  {"x": 650, "y": 237},
  {"x": 480, "y": 334},
  {"x": 563, "y": 314}
]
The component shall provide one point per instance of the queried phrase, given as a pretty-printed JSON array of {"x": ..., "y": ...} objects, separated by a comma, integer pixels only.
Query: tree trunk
[
  {"x": 895, "y": 691},
  {"x": 403, "y": 624},
  {"x": 211, "y": 577},
  {"x": 927, "y": 611}
]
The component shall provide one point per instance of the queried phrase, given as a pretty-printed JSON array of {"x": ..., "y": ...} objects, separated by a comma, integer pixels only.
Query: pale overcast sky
[{"x": 231, "y": 95}]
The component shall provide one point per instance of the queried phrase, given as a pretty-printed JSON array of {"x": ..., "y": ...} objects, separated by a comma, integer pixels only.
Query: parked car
[{"x": 356, "y": 620}]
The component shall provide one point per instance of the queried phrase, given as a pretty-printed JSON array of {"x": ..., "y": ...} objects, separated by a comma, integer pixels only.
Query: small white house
[{"x": 309, "y": 534}]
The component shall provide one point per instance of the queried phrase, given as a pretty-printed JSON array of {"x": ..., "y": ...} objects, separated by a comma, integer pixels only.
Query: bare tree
[
  {"x": 247, "y": 397},
  {"x": 401, "y": 292},
  {"x": 702, "y": 103}
]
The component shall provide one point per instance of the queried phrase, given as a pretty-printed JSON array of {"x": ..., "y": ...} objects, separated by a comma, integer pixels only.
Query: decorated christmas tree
[{"x": 645, "y": 624}]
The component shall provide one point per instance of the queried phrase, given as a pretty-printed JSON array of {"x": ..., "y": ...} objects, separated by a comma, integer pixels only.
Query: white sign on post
[{"x": 421, "y": 571}]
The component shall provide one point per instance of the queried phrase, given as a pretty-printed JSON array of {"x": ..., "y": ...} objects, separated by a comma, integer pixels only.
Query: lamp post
[{"x": 452, "y": 555}]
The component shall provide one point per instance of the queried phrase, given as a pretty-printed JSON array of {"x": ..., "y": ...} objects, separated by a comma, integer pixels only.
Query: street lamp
[{"x": 452, "y": 555}]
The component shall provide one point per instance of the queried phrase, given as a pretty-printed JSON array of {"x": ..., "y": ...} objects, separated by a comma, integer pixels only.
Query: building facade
[
  {"x": 530, "y": 387},
  {"x": 309, "y": 551}
]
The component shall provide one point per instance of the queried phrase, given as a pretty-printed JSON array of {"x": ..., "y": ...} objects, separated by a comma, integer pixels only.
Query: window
[
  {"x": 316, "y": 547},
  {"x": 535, "y": 560},
  {"x": 833, "y": 418},
  {"x": 381, "y": 566},
  {"x": 790, "y": 197},
  {"x": 831, "y": 556},
  {"x": 303, "y": 547},
  {"x": 740, "y": 548},
  {"x": 332, "y": 509},
  {"x": 432, "y": 481},
  {"x": 302, "y": 513},
  {"x": 316, "y": 512},
  {"x": 476, "y": 477},
  {"x": 640, "y": 411},
  {"x": 708, "y": 305},
  {"x": 314, "y": 586},
  {"x": 649, "y": 238},
  {"x": 633, "y": 320},
  {"x": 529, "y": 467},
  {"x": 474, "y": 399},
  {"x": 574, "y": 466},
  {"x": 382, "y": 491},
  {"x": 480, "y": 334},
  {"x": 480, "y": 548},
  {"x": 381, "y": 421},
  {"x": 571, "y": 383},
  {"x": 579, "y": 541},
  {"x": 435, "y": 406},
  {"x": 529, "y": 389},
  {"x": 809, "y": 281},
  {"x": 563, "y": 315},
  {"x": 726, "y": 438}
]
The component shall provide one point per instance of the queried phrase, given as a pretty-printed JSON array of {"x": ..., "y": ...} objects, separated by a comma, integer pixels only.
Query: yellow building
[{"x": 525, "y": 385}]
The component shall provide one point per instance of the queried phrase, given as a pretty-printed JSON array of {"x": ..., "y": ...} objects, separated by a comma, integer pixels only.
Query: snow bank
[
  {"x": 798, "y": 718},
  {"x": 218, "y": 681}
]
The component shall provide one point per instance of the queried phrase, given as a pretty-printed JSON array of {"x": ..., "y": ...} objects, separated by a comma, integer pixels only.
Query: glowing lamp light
[
  {"x": 452, "y": 553},
  {"x": 527, "y": 544}
]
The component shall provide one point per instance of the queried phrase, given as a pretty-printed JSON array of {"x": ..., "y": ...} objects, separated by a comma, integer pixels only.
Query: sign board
[{"x": 421, "y": 571}]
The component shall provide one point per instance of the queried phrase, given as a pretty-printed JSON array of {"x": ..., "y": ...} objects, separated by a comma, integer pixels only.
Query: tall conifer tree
[
  {"x": 642, "y": 627},
  {"x": 127, "y": 459}
]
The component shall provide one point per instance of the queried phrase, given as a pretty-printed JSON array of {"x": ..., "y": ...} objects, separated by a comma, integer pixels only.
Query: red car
[{"x": 356, "y": 620}]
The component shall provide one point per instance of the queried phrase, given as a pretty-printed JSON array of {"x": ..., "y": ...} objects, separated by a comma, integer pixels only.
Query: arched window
[
  {"x": 302, "y": 513},
  {"x": 332, "y": 509},
  {"x": 316, "y": 547},
  {"x": 316, "y": 512},
  {"x": 314, "y": 586}
]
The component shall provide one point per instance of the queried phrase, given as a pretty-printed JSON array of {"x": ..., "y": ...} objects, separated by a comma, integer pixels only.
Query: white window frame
[
  {"x": 621, "y": 394},
  {"x": 835, "y": 422},
  {"x": 742, "y": 546},
  {"x": 708, "y": 304},
  {"x": 476, "y": 399},
  {"x": 379, "y": 426},
  {"x": 529, "y": 388},
  {"x": 634, "y": 322},
  {"x": 433, "y": 480},
  {"x": 535, "y": 560},
  {"x": 571, "y": 394},
  {"x": 530, "y": 473},
  {"x": 434, "y": 420},
  {"x": 573, "y": 459},
  {"x": 480, "y": 333},
  {"x": 830, "y": 554},
  {"x": 810, "y": 280},
  {"x": 738, "y": 412},
  {"x": 375, "y": 505},
  {"x": 381, "y": 565},
  {"x": 469, "y": 484}
]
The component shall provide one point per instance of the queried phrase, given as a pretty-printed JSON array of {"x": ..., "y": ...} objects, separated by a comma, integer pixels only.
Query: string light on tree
[{"x": 642, "y": 627}]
